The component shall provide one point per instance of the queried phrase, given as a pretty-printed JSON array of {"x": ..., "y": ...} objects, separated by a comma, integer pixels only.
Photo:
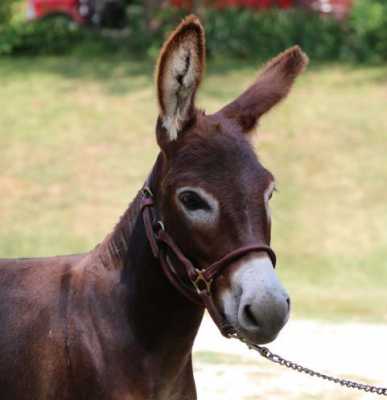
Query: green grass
[{"x": 77, "y": 141}]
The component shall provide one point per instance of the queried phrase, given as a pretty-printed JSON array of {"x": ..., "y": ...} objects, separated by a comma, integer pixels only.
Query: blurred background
[{"x": 77, "y": 116}]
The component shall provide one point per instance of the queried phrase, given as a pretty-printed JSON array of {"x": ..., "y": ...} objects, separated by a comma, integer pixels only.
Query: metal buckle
[
  {"x": 201, "y": 284},
  {"x": 158, "y": 226}
]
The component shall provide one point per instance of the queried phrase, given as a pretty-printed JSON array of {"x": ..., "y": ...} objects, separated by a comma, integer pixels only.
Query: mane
[{"x": 114, "y": 248}]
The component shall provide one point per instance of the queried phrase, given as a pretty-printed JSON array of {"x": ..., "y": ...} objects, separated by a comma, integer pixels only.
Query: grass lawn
[{"x": 77, "y": 140}]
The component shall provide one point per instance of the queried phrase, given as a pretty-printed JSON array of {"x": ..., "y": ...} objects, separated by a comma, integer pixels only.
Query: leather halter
[{"x": 199, "y": 288}]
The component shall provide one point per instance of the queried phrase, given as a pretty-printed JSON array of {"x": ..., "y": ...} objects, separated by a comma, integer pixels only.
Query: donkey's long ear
[
  {"x": 178, "y": 75},
  {"x": 271, "y": 86}
]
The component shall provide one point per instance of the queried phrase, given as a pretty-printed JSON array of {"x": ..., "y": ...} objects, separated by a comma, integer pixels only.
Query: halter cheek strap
[{"x": 200, "y": 281}]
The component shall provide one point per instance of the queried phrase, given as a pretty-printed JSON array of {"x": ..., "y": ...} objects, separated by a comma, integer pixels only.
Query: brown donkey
[{"x": 119, "y": 322}]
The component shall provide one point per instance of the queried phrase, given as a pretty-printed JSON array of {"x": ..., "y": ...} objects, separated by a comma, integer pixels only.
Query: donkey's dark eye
[
  {"x": 272, "y": 192},
  {"x": 192, "y": 201}
]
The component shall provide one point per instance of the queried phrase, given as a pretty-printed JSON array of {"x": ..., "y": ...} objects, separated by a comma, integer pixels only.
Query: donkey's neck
[
  {"x": 114, "y": 250},
  {"x": 160, "y": 320}
]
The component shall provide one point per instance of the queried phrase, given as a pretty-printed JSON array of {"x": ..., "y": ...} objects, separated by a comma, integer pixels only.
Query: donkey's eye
[
  {"x": 272, "y": 192},
  {"x": 192, "y": 201}
]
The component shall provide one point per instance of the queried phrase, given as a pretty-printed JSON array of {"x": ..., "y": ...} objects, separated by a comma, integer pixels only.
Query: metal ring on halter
[
  {"x": 158, "y": 226},
  {"x": 201, "y": 284}
]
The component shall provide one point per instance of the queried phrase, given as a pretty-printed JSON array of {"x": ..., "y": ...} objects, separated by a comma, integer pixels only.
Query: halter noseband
[{"x": 200, "y": 291}]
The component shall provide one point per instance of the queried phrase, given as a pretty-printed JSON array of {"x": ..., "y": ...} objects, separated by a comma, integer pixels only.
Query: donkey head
[{"x": 213, "y": 192}]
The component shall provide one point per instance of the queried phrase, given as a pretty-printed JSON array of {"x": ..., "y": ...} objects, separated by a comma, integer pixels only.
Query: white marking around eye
[
  {"x": 266, "y": 196},
  {"x": 202, "y": 217}
]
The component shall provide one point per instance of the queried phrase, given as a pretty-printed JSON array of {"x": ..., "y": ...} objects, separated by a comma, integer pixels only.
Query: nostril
[
  {"x": 250, "y": 316},
  {"x": 288, "y": 303}
]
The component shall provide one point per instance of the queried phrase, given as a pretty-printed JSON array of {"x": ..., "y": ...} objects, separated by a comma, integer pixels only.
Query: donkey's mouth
[
  {"x": 251, "y": 331},
  {"x": 254, "y": 335},
  {"x": 256, "y": 338}
]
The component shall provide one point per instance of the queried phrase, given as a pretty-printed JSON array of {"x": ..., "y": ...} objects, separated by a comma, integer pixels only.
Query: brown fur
[
  {"x": 271, "y": 86},
  {"x": 107, "y": 324}
]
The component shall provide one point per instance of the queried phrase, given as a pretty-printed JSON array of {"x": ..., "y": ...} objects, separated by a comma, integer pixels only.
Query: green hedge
[
  {"x": 48, "y": 36},
  {"x": 244, "y": 34},
  {"x": 5, "y": 11},
  {"x": 368, "y": 31},
  {"x": 230, "y": 32}
]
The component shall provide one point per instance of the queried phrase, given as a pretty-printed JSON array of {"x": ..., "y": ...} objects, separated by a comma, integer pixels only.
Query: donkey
[{"x": 119, "y": 322}]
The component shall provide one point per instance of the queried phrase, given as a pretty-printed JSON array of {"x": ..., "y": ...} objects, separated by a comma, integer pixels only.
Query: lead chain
[{"x": 275, "y": 358}]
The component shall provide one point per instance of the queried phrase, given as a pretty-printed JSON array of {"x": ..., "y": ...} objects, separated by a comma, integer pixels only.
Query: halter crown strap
[{"x": 163, "y": 247}]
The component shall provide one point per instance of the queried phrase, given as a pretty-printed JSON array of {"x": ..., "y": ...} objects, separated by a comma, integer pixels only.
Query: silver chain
[{"x": 275, "y": 358}]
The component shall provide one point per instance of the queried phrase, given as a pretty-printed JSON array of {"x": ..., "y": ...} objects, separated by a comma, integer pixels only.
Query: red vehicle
[
  {"x": 69, "y": 8},
  {"x": 106, "y": 13},
  {"x": 257, "y": 4},
  {"x": 95, "y": 11},
  {"x": 338, "y": 8}
]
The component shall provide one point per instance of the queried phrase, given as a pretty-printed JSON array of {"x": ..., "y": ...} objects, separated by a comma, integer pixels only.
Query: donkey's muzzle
[{"x": 262, "y": 307}]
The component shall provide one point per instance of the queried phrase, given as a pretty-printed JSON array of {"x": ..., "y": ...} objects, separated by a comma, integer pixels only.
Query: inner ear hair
[{"x": 179, "y": 73}]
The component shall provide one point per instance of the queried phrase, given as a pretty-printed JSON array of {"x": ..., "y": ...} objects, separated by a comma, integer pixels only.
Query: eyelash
[{"x": 273, "y": 191}]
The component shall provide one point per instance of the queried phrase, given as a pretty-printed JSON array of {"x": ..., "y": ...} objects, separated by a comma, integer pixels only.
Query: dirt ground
[{"x": 226, "y": 369}]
